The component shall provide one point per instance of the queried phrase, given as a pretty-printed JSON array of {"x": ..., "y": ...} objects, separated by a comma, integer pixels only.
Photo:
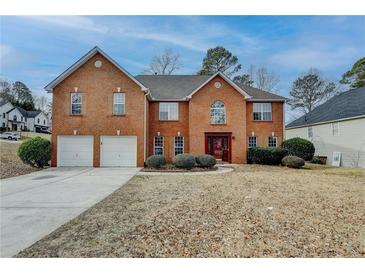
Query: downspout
[{"x": 145, "y": 126}]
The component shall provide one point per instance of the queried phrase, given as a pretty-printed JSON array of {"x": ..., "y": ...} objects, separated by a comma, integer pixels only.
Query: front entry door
[{"x": 218, "y": 145}]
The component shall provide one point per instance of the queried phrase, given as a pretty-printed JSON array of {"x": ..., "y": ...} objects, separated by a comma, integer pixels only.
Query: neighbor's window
[
  {"x": 38, "y": 120},
  {"x": 44, "y": 122},
  {"x": 76, "y": 103},
  {"x": 252, "y": 141},
  {"x": 217, "y": 113},
  {"x": 262, "y": 111},
  {"x": 179, "y": 145},
  {"x": 3, "y": 115},
  {"x": 15, "y": 118},
  {"x": 119, "y": 103},
  {"x": 272, "y": 141},
  {"x": 310, "y": 132},
  {"x": 169, "y": 111},
  {"x": 335, "y": 129},
  {"x": 158, "y": 145}
]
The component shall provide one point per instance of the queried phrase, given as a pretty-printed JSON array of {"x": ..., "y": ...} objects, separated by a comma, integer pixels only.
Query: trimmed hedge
[
  {"x": 155, "y": 161},
  {"x": 320, "y": 160},
  {"x": 300, "y": 147},
  {"x": 292, "y": 161},
  {"x": 205, "y": 160},
  {"x": 266, "y": 155},
  {"x": 35, "y": 152},
  {"x": 184, "y": 161}
]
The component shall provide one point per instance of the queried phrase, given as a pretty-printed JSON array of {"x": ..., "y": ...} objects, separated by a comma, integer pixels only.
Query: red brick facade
[{"x": 97, "y": 86}]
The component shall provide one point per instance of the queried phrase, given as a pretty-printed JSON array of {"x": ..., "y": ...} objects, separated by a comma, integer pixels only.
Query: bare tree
[
  {"x": 266, "y": 80},
  {"x": 41, "y": 103},
  {"x": 310, "y": 90},
  {"x": 164, "y": 64}
]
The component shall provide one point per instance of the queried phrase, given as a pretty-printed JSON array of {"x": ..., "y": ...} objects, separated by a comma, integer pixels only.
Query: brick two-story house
[{"x": 104, "y": 116}]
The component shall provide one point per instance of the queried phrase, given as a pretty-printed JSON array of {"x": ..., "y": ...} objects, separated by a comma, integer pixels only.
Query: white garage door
[
  {"x": 75, "y": 150},
  {"x": 118, "y": 151}
]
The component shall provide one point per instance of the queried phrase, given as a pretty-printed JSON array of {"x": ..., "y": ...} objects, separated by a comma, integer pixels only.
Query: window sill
[
  {"x": 75, "y": 115},
  {"x": 218, "y": 124},
  {"x": 168, "y": 120},
  {"x": 267, "y": 121},
  {"x": 118, "y": 115}
]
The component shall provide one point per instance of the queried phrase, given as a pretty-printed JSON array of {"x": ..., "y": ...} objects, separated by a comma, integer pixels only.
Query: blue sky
[{"x": 35, "y": 49}]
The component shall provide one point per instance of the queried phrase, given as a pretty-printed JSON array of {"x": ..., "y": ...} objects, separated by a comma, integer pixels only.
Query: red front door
[{"x": 218, "y": 145}]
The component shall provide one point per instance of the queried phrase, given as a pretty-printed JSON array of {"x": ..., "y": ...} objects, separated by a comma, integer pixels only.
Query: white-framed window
[
  {"x": 44, "y": 122},
  {"x": 76, "y": 103},
  {"x": 262, "y": 112},
  {"x": 178, "y": 145},
  {"x": 158, "y": 145},
  {"x": 273, "y": 141},
  {"x": 310, "y": 132},
  {"x": 119, "y": 103},
  {"x": 335, "y": 129},
  {"x": 217, "y": 113},
  {"x": 38, "y": 121},
  {"x": 169, "y": 111},
  {"x": 252, "y": 141},
  {"x": 15, "y": 118}
]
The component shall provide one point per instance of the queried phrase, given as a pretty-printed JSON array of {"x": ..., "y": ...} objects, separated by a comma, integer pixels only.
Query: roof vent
[{"x": 98, "y": 64}]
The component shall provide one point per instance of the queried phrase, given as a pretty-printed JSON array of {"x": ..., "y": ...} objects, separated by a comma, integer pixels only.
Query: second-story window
[
  {"x": 76, "y": 103},
  {"x": 217, "y": 113},
  {"x": 38, "y": 121},
  {"x": 44, "y": 122},
  {"x": 15, "y": 118},
  {"x": 119, "y": 103},
  {"x": 169, "y": 111},
  {"x": 262, "y": 111}
]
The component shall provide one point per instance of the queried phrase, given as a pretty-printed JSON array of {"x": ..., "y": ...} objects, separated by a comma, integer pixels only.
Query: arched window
[{"x": 217, "y": 113}]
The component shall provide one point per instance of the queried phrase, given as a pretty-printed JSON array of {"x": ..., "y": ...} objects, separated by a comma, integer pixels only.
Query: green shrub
[
  {"x": 292, "y": 161},
  {"x": 205, "y": 160},
  {"x": 155, "y": 161},
  {"x": 266, "y": 155},
  {"x": 186, "y": 161},
  {"x": 321, "y": 160},
  {"x": 35, "y": 152},
  {"x": 300, "y": 147}
]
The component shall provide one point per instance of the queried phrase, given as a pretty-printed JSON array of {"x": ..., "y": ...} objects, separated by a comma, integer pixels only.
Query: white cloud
[{"x": 303, "y": 58}]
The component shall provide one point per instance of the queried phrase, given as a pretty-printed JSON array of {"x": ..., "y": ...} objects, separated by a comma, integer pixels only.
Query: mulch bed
[{"x": 172, "y": 168}]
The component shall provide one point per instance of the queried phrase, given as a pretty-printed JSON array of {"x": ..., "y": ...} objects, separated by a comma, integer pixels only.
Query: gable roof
[
  {"x": 26, "y": 113},
  {"x": 346, "y": 105},
  {"x": 181, "y": 87},
  {"x": 83, "y": 60}
]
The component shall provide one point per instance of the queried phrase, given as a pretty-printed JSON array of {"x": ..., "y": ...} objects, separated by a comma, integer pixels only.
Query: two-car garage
[{"x": 78, "y": 150}]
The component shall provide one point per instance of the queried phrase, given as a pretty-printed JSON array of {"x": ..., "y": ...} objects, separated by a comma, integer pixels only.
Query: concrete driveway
[{"x": 35, "y": 204}]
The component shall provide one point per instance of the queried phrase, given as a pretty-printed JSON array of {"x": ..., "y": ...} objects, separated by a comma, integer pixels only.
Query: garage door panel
[
  {"x": 118, "y": 151},
  {"x": 75, "y": 150}
]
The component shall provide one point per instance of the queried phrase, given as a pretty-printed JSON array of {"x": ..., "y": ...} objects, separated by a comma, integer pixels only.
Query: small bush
[
  {"x": 292, "y": 161},
  {"x": 186, "y": 161},
  {"x": 155, "y": 161},
  {"x": 205, "y": 160},
  {"x": 300, "y": 147},
  {"x": 266, "y": 155},
  {"x": 35, "y": 152},
  {"x": 321, "y": 160}
]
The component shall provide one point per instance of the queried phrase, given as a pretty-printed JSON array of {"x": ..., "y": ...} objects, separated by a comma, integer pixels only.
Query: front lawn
[
  {"x": 254, "y": 211},
  {"x": 10, "y": 163}
]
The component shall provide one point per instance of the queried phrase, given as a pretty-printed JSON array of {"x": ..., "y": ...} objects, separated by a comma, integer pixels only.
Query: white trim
[
  {"x": 81, "y": 61},
  {"x": 72, "y": 93},
  {"x": 168, "y": 111},
  {"x": 163, "y": 144},
  {"x": 183, "y": 144},
  {"x": 276, "y": 141},
  {"x": 327, "y": 122},
  {"x": 266, "y": 100},
  {"x": 236, "y": 87},
  {"x": 224, "y": 108}
]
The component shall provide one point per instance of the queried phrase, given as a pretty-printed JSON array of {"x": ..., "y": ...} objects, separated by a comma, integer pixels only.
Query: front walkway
[{"x": 35, "y": 204}]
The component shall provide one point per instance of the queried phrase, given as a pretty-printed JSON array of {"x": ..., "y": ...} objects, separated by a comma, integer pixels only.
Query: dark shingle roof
[
  {"x": 180, "y": 86},
  {"x": 345, "y": 105},
  {"x": 25, "y": 113}
]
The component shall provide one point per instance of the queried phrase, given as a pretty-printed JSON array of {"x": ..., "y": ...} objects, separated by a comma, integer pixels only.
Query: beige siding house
[{"x": 336, "y": 126}]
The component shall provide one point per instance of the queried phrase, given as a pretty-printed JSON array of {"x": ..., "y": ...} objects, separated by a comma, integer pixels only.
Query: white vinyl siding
[
  {"x": 335, "y": 129},
  {"x": 262, "y": 112},
  {"x": 169, "y": 111},
  {"x": 178, "y": 145},
  {"x": 76, "y": 103},
  {"x": 119, "y": 103},
  {"x": 158, "y": 145}
]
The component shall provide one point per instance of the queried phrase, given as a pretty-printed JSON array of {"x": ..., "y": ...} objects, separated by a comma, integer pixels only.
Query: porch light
[
  {"x": 118, "y": 132},
  {"x": 252, "y": 133},
  {"x": 75, "y": 132},
  {"x": 272, "y": 134},
  {"x": 158, "y": 133},
  {"x": 118, "y": 89},
  {"x": 178, "y": 133},
  {"x": 76, "y": 89}
]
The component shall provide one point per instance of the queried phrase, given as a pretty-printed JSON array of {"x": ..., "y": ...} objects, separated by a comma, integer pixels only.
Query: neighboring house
[
  {"x": 4, "y": 108},
  {"x": 103, "y": 116},
  {"x": 19, "y": 119},
  {"x": 338, "y": 125}
]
